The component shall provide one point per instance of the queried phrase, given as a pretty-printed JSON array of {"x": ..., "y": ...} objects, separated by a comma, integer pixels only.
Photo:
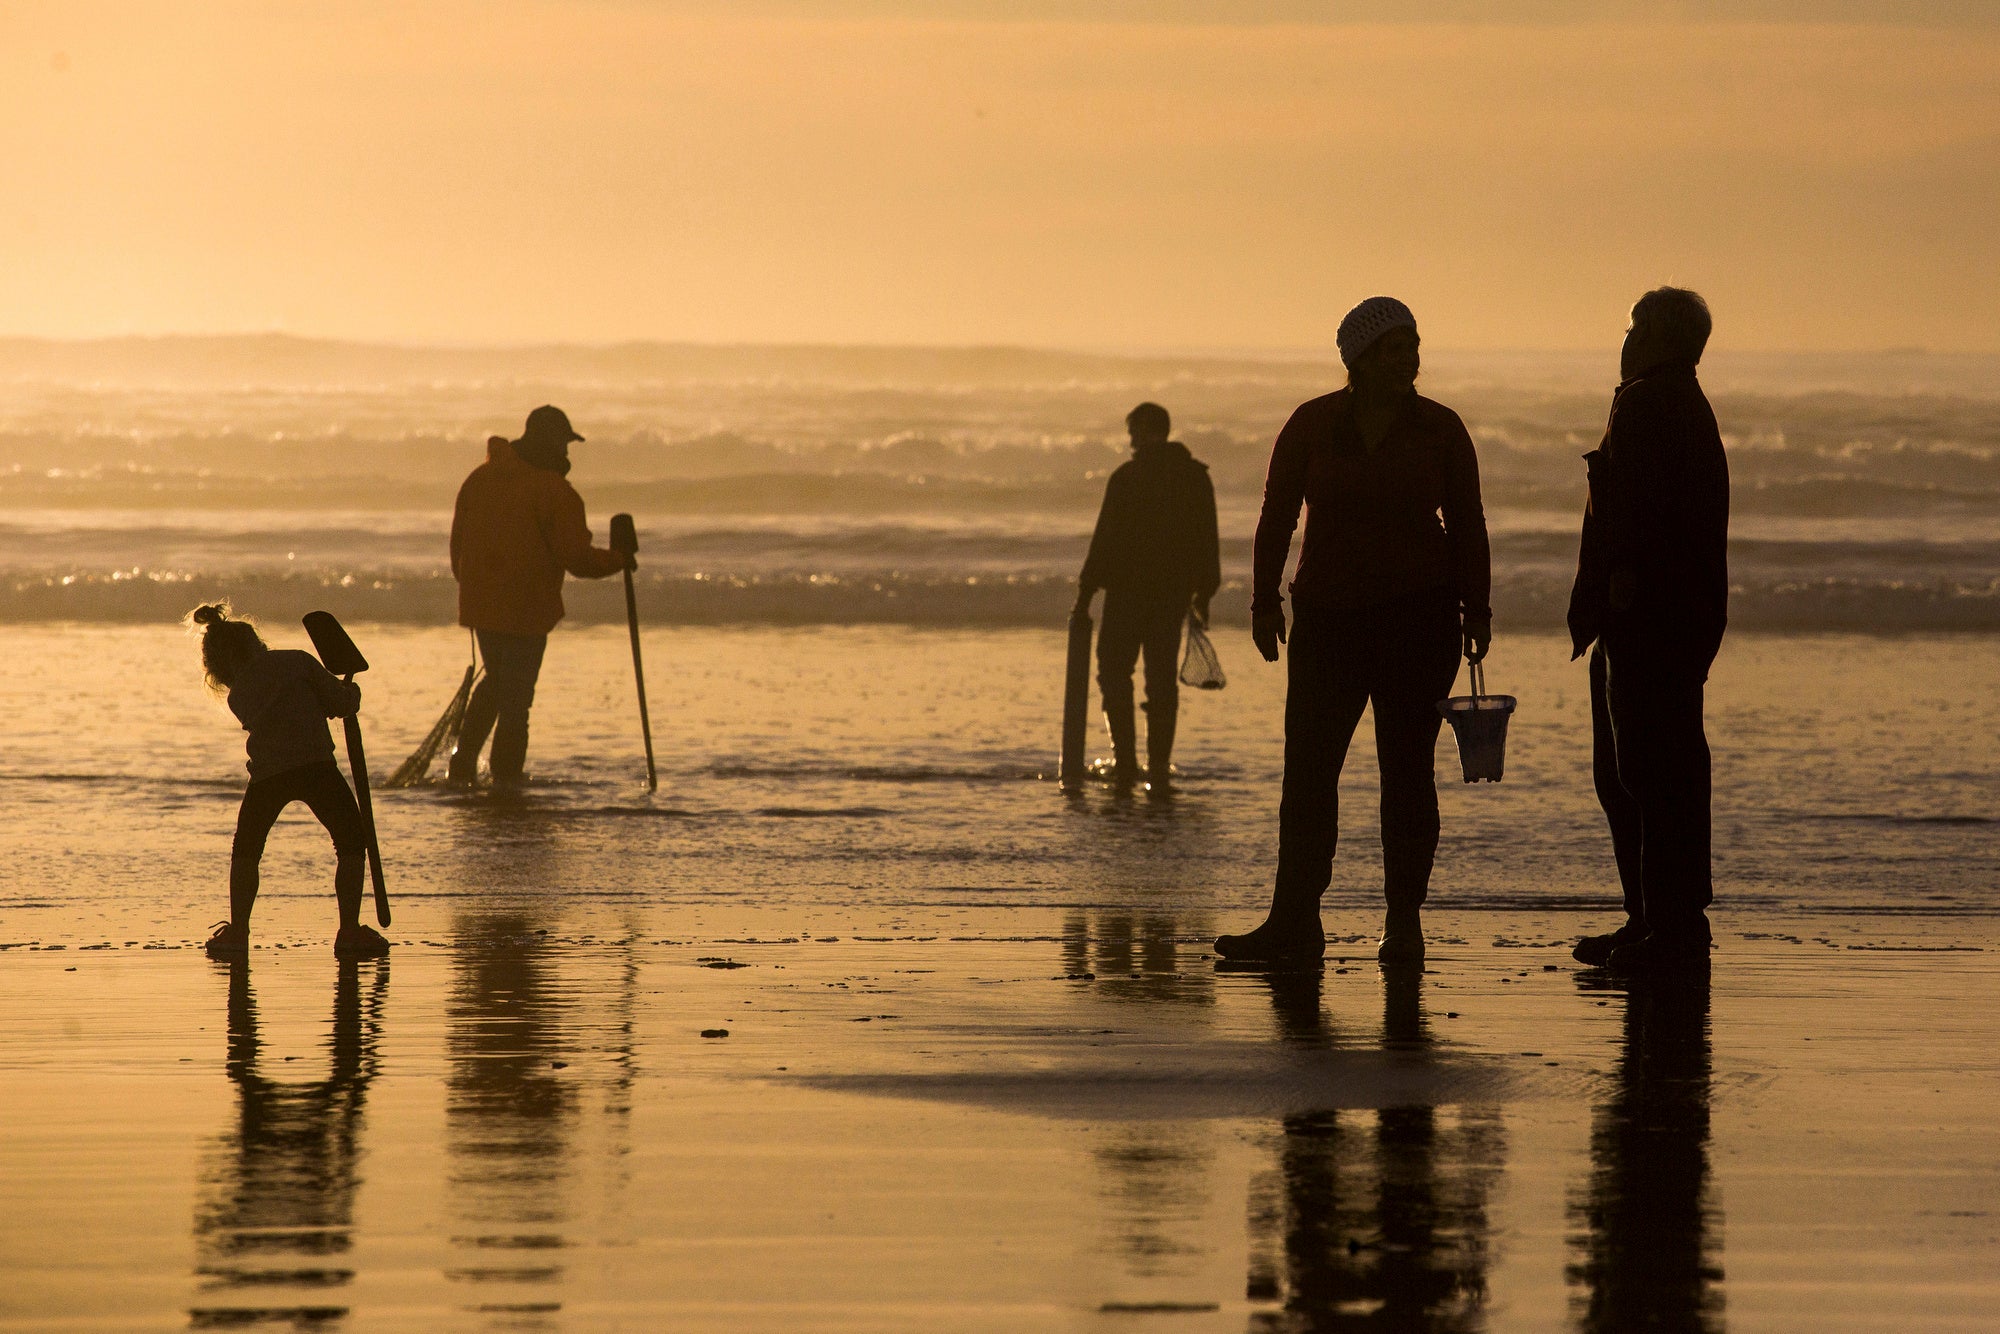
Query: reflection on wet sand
[
  {"x": 1138, "y": 956},
  {"x": 1372, "y": 1219},
  {"x": 1155, "y": 1173},
  {"x": 275, "y": 1223},
  {"x": 509, "y": 1116},
  {"x": 1648, "y": 1252}
]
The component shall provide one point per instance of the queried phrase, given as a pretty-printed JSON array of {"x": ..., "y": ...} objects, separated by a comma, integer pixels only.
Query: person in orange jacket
[{"x": 518, "y": 527}]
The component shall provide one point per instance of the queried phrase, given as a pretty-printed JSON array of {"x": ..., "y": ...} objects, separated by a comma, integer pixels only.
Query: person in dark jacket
[
  {"x": 1652, "y": 596},
  {"x": 1154, "y": 554},
  {"x": 1392, "y": 585},
  {"x": 517, "y": 529}
]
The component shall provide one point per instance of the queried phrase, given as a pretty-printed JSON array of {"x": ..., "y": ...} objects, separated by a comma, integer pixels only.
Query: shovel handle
[{"x": 357, "y": 760}]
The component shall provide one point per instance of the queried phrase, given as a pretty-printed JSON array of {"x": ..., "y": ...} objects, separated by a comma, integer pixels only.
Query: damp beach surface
[{"x": 859, "y": 1024}]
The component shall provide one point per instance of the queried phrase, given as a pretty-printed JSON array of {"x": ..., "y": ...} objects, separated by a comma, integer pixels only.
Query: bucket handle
[{"x": 1478, "y": 675}]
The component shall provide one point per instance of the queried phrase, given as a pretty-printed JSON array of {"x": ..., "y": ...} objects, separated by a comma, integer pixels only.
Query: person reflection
[
  {"x": 1371, "y": 1219},
  {"x": 277, "y": 1212},
  {"x": 1649, "y": 1228},
  {"x": 1134, "y": 956},
  {"x": 1154, "y": 1172},
  {"x": 509, "y": 1114}
]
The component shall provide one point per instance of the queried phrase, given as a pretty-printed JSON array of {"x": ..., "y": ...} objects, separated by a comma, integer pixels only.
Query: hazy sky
[{"x": 1121, "y": 174}]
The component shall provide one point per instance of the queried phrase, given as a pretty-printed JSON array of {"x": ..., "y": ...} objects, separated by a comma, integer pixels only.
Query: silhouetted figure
[
  {"x": 283, "y": 699},
  {"x": 1154, "y": 553},
  {"x": 1391, "y": 586},
  {"x": 1375, "y": 1219},
  {"x": 518, "y": 527},
  {"x": 1650, "y": 1231},
  {"x": 279, "y": 1190},
  {"x": 1652, "y": 593}
]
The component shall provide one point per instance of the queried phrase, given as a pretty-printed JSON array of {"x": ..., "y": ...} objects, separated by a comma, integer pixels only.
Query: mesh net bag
[
  {"x": 442, "y": 736},
  {"x": 1200, "y": 667}
]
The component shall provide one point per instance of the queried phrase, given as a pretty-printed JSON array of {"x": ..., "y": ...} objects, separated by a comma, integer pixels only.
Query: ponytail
[{"x": 226, "y": 645}]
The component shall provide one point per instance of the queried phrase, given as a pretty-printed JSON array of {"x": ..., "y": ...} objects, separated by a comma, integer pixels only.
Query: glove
[
  {"x": 1267, "y": 628},
  {"x": 1477, "y": 637}
]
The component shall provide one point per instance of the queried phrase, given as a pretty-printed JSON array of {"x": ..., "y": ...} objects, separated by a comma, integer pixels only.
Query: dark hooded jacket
[
  {"x": 1156, "y": 533},
  {"x": 1653, "y": 569},
  {"x": 517, "y": 528}
]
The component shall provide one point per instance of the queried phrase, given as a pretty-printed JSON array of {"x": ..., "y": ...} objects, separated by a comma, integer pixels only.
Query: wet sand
[{"x": 1064, "y": 1119}]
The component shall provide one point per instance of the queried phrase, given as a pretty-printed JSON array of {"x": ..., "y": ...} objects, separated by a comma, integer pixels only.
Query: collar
[{"x": 1660, "y": 372}]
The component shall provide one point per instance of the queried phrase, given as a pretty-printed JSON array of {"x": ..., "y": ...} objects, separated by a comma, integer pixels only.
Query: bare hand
[
  {"x": 631, "y": 560},
  {"x": 1477, "y": 638},
  {"x": 1200, "y": 610},
  {"x": 1083, "y": 597},
  {"x": 1267, "y": 628}
]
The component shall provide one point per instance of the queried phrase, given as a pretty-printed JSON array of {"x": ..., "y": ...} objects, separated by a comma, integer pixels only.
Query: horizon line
[{"x": 1273, "y": 352}]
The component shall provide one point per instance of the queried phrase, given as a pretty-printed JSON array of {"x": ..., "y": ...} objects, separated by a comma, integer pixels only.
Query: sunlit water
[{"x": 980, "y": 1070}]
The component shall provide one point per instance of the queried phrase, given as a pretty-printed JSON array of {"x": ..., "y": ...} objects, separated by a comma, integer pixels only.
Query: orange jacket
[{"x": 516, "y": 529}]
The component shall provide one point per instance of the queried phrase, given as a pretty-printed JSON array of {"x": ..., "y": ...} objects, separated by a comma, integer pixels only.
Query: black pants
[
  {"x": 1650, "y": 759},
  {"x": 1136, "y": 625},
  {"x": 326, "y": 794},
  {"x": 500, "y": 704},
  {"x": 1402, "y": 657}
]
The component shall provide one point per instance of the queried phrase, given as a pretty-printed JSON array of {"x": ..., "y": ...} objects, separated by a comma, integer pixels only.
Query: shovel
[
  {"x": 338, "y": 654},
  {"x": 1076, "y": 703}
]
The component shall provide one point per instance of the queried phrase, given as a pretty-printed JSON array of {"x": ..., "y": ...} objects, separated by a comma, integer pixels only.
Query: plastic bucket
[{"x": 1479, "y": 721}]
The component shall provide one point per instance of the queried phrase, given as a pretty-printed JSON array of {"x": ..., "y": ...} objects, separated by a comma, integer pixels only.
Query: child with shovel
[{"x": 283, "y": 698}]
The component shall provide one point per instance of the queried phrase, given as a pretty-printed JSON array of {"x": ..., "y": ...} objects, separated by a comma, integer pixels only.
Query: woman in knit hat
[{"x": 1391, "y": 587}]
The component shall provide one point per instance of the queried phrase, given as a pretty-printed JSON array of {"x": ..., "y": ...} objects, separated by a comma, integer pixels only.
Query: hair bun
[{"x": 208, "y": 615}]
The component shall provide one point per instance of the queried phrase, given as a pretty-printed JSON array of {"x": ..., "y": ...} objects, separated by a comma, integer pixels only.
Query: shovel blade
[{"x": 336, "y": 651}]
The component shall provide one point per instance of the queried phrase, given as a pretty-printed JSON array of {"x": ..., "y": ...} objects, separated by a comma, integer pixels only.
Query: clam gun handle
[{"x": 625, "y": 538}]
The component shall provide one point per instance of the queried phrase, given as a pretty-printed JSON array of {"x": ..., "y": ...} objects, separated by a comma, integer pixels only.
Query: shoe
[
  {"x": 1402, "y": 939},
  {"x": 1270, "y": 943},
  {"x": 228, "y": 941},
  {"x": 1595, "y": 951},
  {"x": 359, "y": 942},
  {"x": 1658, "y": 954}
]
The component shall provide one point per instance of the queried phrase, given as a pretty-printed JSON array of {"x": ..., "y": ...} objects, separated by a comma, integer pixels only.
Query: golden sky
[{"x": 1096, "y": 175}]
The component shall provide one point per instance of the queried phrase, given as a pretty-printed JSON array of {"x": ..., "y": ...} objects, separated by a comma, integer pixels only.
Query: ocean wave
[{"x": 1534, "y": 596}]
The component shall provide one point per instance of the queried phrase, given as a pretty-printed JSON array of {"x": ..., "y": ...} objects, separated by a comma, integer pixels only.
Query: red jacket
[{"x": 516, "y": 529}]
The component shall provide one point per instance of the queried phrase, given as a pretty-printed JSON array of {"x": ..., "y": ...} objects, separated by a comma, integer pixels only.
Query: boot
[
  {"x": 1402, "y": 937},
  {"x": 1290, "y": 934},
  {"x": 481, "y": 712},
  {"x": 1124, "y": 744},
  {"x": 509, "y": 759},
  {"x": 1160, "y": 724},
  {"x": 1595, "y": 951},
  {"x": 463, "y": 771}
]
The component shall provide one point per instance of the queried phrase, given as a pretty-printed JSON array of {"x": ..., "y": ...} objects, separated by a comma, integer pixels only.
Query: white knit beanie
[{"x": 1368, "y": 322}]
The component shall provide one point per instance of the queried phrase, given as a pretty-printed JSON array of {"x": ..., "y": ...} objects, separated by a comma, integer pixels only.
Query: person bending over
[
  {"x": 518, "y": 527},
  {"x": 283, "y": 698},
  {"x": 1154, "y": 553},
  {"x": 1652, "y": 597},
  {"x": 1391, "y": 587}
]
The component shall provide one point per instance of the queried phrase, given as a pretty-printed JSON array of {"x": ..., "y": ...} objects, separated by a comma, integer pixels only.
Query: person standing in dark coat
[
  {"x": 1155, "y": 554},
  {"x": 1652, "y": 596},
  {"x": 1392, "y": 586},
  {"x": 518, "y": 527}
]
